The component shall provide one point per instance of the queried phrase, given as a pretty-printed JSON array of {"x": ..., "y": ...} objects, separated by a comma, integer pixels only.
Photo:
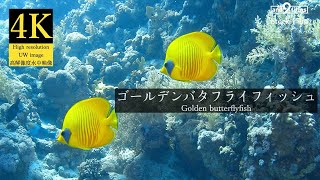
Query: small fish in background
[
  {"x": 192, "y": 57},
  {"x": 89, "y": 124},
  {"x": 42, "y": 131},
  {"x": 12, "y": 111}
]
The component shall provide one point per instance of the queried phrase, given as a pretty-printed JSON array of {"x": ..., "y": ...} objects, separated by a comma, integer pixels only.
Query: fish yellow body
[
  {"x": 192, "y": 57},
  {"x": 89, "y": 124}
]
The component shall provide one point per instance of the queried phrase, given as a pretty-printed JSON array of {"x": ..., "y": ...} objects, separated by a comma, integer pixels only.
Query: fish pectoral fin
[
  {"x": 216, "y": 54},
  {"x": 177, "y": 73},
  {"x": 179, "y": 70}
]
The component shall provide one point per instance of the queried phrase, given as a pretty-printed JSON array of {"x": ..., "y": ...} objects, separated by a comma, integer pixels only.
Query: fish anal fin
[
  {"x": 209, "y": 72},
  {"x": 84, "y": 148}
]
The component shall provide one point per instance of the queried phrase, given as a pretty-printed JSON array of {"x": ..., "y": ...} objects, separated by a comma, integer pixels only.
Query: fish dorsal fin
[
  {"x": 178, "y": 68},
  {"x": 204, "y": 40},
  {"x": 100, "y": 105}
]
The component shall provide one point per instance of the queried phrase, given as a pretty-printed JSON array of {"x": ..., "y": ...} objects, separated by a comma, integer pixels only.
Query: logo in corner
[
  {"x": 30, "y": 37},
  {"x": 287, "y": 8}
]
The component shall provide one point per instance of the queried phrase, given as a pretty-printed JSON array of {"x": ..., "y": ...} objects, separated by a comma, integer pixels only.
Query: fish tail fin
[
  {"x": 216, "y": 54},
  {"x": 113, "y": 120}
]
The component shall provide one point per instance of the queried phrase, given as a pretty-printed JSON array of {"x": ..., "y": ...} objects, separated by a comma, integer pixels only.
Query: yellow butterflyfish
[
  {"x": 192, "y": 57},
  {"x": 89, "y": 124}
]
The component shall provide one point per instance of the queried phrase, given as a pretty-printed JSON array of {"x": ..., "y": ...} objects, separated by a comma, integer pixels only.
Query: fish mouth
[
  {"x": 164, "y": 70},
  {"x": 60, "y": 139}
]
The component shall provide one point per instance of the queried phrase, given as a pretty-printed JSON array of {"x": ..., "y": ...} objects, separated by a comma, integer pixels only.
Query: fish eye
[
  {"x": 63, "y": 133},
  {"x": 167, "y": 64}
]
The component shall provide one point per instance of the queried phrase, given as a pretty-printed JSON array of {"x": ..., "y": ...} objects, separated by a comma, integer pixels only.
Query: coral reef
[
  {"x": 11, "y": 86},
  {"x": 63, "y": 87},
  {"x": 276, "y": 146},
  {"x": 221, "y": 149},
  {"x": 76, "y": 43},
  {"x": 144, "y": 168},
  {"x": 91, "y": 168},
  {"x": 291, "y": 41},
  {"x": 310, "y": 80},
  {"x": 17, "y": 151},
  {"x": 185, "y": 145}
]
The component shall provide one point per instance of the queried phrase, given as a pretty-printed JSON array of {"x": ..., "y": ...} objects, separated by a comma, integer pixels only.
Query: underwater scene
[{"x": 60, "y": 121}]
